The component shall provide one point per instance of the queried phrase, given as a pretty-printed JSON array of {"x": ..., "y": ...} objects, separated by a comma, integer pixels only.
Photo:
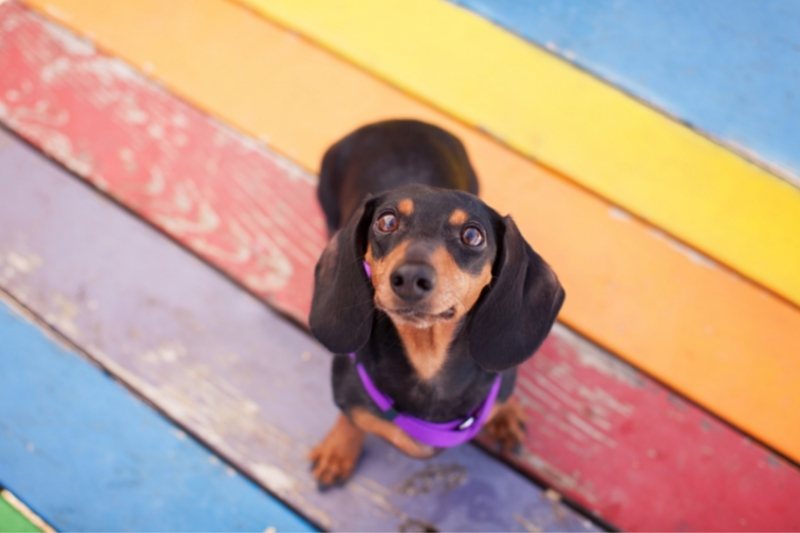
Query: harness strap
[{"x": 437, "y": 434}]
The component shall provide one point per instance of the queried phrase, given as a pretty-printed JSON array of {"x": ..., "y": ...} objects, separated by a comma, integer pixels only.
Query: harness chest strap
[{"x": 436, "y": 434}]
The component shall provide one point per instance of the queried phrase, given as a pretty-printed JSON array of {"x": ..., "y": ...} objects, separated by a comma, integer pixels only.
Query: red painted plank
[
  {"x": 642, "y": 457},
  {"x": 599, "y": 431}
]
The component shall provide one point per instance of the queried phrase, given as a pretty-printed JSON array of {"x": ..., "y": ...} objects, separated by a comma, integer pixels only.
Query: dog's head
[{"x": 435, "y": 255}]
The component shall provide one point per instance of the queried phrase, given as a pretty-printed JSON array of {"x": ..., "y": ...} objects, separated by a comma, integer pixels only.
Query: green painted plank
[{"x": 11, "y": 520}]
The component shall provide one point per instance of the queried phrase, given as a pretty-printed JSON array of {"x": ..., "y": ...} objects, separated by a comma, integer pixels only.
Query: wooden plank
[
  {"x": 730, "y": 69},
  {"x": 596, "y": 135},
  {"x": 88, "y": 456},
  {"x": 592, "y": 418},
  {"x": 215, "y": 359},
  {"x": 702, "y": 330},
  {"x": 11, "y": 519},
  {"x": 641, "y": 456}
]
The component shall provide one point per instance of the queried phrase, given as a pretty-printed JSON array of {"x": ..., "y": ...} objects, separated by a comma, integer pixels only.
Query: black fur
[
  {"x": 372, "y": 167},
  {"x": 513, "y": 317}
]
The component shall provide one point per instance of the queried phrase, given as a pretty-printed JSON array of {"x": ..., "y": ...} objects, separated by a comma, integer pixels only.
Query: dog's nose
[{"x": 413, "y": 281}]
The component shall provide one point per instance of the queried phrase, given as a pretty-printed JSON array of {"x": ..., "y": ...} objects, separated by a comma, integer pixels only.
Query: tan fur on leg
[
  {"x": 335, "y": 458},
  {"x": 391, "y": 433}
]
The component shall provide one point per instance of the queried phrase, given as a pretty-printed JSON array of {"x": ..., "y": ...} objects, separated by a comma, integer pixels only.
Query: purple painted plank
[{"x": 220, "y": 363}]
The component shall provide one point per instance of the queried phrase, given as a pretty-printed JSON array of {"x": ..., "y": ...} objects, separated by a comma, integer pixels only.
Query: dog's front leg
[
  {"x": 395, "y": 436},
  {"x": 506, "y": 426},
  {"x": 334, "y": 459}
]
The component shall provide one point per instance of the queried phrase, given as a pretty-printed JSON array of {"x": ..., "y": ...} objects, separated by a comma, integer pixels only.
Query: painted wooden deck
[
  {"x": 222, "y": 366},
  {"x": 725, "y": 326},
  {"x": 550, "y": 111},
  {"x": 252, "y": 386},
  {"x": 729, "y": 69},
  {"x": 88, "y": 456},
  {"x": 206, "y": 186}
]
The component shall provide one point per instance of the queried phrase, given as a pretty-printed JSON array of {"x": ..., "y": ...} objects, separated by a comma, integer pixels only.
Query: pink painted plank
[{"x": 600, "y": 432}]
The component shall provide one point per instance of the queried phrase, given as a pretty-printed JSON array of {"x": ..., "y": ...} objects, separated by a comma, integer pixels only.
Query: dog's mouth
[{"x": 417, "y": 316}]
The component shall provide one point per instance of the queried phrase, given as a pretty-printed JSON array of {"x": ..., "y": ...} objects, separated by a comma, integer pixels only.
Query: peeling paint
[
  {"x": 528, "y": 525},
  {"x": 66, "y": 39},
  {"x": 15, "y": 263},
  {"x": 610, "y": 367},
  {"x": 618, "y": 214},
  {"x": 166, "y": 353},
  {"x": 591, "y": 432},
  {"x": 62, "y": 313},
  {"x": 55, "y": 69},
  {"x": 273, "y": 477},
  {"x": 691, "y": 254}
]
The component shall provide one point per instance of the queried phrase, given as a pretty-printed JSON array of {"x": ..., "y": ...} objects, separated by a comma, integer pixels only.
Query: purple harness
[{"x": 436, "y": 434}]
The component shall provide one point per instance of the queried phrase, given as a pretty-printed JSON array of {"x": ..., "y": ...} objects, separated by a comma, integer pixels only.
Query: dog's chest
[
  {"x": 426, "y": 349},
  {"x": 455, "y": 386}
]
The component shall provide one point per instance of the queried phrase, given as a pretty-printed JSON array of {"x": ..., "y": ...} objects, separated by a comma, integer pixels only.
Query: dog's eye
[
  {"x": 386, "y": 223},
  {"x": 472, "y": 236}
]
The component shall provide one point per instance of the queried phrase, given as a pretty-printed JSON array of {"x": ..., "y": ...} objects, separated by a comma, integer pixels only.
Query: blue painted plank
[
  {"x": 731, "y": 68},
  {"x": 87, "y": 455},
  {"x": 217, "y": 360}
]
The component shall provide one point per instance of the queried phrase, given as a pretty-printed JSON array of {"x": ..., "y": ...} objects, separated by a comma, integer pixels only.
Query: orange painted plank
[{"x": 712, "y": 336}]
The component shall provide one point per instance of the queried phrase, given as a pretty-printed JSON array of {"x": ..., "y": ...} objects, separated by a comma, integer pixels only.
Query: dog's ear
[
  {"x": 515, "y": 313},
  {"x": 342, "y": 307}
]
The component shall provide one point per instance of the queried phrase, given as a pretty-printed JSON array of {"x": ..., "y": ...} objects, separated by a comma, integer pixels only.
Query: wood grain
[{"x": 599, "y": 431}]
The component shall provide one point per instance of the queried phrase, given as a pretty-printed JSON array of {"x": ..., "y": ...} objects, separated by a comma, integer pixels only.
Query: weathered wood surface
[
  {"x": 729, "y": 69},
  {"x": 88, "y": 456},
  {"x": 592, "y": 424},
  {"x": 547, "y": 109},
  {"x": 647, "y": 298},
  {"x": 101, "y": 120},
  {"x": 248, "y": 383}
]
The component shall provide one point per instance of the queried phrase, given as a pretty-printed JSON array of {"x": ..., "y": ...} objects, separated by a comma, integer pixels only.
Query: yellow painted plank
[
  {"x": 716, "y": 338},
  {"x": 636, "y": 157}
]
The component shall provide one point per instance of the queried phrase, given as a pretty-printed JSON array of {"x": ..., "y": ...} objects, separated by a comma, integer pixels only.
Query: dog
[{"x": 427, "y": 297}]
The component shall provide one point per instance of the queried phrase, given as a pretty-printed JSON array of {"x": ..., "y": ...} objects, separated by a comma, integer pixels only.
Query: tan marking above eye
[
  {"x": 458, "y": 217},
  {"x": 406, "y": 206}
]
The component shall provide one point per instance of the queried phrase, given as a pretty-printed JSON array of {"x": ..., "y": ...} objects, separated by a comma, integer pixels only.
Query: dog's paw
[
  {"x": 334, "y": 459},
  {"x": 507, "y": 427}
]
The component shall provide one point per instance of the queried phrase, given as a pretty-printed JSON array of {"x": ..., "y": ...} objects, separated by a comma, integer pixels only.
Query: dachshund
[{"x": 427, "y": 297}]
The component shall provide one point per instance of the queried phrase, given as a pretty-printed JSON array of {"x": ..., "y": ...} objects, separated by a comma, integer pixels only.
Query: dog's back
[{"x": 386, "y": 155}]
